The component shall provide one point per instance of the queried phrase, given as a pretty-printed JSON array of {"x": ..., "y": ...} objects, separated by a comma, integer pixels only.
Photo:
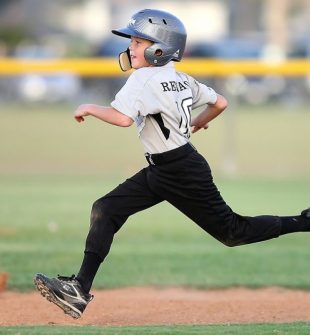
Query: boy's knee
[
  {"x": 104, "y": 209},
  {"x": 231, "y": 242},
  {"x": 234, "y": 239},
  {"x": 231, "y": 238},
  {"x": 99, "y": 209},
  {"x": 234, "y": 234}
]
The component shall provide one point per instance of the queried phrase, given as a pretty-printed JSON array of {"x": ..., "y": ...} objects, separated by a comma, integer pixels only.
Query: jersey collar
[{"x": 169, "y": 65}]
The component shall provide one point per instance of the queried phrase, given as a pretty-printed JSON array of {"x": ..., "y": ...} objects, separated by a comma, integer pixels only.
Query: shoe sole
[{"x": 50, "y": 296}]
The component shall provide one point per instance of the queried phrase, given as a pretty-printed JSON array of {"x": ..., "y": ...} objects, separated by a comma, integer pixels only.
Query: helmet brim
[
  {"x": 128, "y": 33},
  {"x": 124, "y": 32}
]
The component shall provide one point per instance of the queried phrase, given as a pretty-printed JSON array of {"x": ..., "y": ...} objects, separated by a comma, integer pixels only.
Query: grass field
[
  {"x": 52, "y": 169},
  {"x": 46, "y": 218}
]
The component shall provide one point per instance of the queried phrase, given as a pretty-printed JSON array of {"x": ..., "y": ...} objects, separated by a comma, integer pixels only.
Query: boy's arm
[
  {"x": 107, "y": 114},
  {"x": 211, "y": 112}
]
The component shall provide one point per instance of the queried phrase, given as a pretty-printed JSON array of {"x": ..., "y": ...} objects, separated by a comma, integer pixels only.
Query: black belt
[{"x": 170, "y": 156}]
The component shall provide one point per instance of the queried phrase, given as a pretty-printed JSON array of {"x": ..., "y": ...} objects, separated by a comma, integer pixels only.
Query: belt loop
[{"x": 149, "y": 158}]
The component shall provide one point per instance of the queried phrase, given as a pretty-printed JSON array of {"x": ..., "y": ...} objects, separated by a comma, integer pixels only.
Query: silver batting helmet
[{"x": 164, "y": 29}]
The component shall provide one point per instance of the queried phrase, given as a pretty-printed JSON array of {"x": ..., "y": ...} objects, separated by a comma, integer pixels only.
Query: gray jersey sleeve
[{"x": 127, "y": 99}]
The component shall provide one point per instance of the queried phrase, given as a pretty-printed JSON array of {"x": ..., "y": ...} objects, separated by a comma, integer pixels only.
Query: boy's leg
[
  {"x": 108, "y": 215},
  {"x": 191, "y": 189}
]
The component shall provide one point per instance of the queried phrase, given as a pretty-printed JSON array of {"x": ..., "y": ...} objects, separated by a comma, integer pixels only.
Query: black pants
[{"x": 183, "y": 178}]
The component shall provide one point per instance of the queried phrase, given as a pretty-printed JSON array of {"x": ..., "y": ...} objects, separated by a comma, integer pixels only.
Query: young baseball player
[{"x": 159, "y": 100}]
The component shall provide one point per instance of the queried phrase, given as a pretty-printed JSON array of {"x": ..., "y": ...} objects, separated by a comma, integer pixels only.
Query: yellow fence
[{"x": 99, "y": 67}]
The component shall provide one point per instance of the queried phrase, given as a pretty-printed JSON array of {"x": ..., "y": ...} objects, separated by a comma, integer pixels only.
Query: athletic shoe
[
  {"x": 306, "y": 213},
  {"x": 65, "y": 292}
]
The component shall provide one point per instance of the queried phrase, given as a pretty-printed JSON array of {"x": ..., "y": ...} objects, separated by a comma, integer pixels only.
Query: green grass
[
  {"x": 247, "y": 329},
  {"x": 44, "y": 221}
]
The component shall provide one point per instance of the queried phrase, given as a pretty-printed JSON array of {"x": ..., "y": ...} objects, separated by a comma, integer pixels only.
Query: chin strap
[{"x": 124, "y": 60}]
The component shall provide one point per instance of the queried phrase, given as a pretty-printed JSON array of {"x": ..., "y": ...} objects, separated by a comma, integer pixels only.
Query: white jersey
[{"x": 160, "y": 101}]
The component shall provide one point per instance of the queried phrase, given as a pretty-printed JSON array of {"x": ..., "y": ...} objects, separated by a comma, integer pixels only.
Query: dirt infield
[{"x": 153, "y": 306}]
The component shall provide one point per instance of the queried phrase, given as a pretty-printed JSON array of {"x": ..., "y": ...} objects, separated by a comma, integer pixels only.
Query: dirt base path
[{"x": 153, "y": 306}]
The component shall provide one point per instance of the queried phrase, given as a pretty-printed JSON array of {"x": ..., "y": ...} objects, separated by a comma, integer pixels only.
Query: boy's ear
[{"x": 124, "y": 60}]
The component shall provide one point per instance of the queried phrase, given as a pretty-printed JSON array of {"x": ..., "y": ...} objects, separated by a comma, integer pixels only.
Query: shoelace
[
  {"x": 73, "y": 277},
  {"x": 66, "y": 278}
]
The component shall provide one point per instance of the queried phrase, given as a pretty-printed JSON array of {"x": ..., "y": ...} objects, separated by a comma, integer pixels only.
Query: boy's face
[{"x": 136, "y": 48}]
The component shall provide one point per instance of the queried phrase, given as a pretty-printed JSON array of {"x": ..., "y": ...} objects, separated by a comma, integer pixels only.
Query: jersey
[{"x": 160, "y": 101}]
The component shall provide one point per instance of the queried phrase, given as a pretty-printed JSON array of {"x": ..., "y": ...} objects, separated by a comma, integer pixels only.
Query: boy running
[{"x": 159, "y": 100}]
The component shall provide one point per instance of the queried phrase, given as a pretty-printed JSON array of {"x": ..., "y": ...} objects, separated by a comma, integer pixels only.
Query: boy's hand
[
  {"x": 208, "y": 114},
  {"x": 81, "y": 112},
  {"x": 196, "y": 128}
]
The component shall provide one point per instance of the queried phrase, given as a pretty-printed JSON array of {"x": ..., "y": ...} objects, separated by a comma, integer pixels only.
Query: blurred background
[
  {"x": 272, "y": 32},
  {"x": 52, "y": 168}
]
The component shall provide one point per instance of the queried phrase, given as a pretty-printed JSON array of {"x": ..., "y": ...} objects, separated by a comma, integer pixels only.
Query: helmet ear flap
[
  {"x": 158, "y": 54},
  {"x": 124, "y": 60}
]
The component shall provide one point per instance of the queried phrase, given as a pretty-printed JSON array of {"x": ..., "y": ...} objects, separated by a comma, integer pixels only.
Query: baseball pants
[{"x": 183, "y": 178}]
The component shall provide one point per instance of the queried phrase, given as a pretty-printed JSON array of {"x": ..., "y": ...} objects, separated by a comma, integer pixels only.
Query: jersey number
[{"x": 185, "y": 111}]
